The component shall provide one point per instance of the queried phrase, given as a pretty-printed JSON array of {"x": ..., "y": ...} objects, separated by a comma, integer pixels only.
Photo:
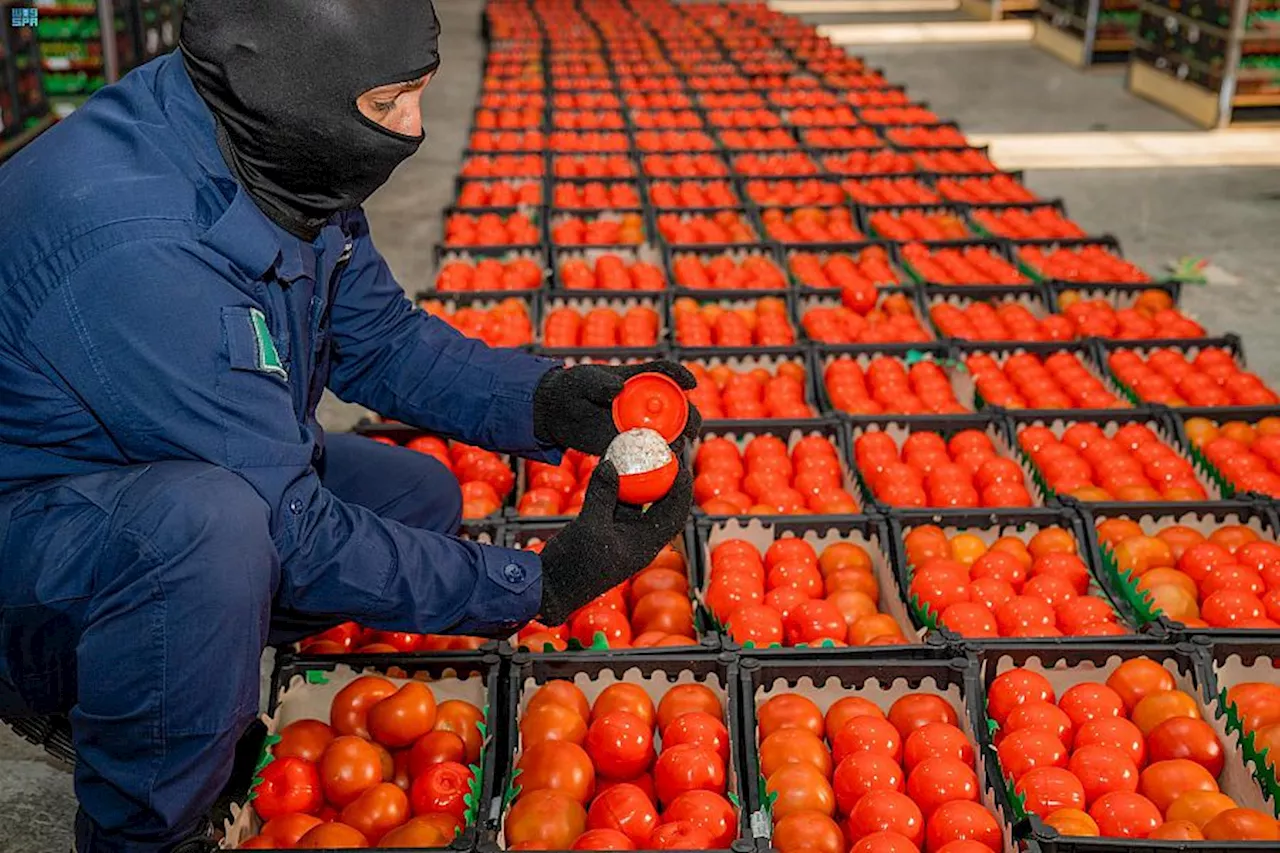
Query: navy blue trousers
[{"x": 138, "y": 601}]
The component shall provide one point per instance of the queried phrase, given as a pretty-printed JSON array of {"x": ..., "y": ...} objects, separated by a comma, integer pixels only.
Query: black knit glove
[
  {"x": 609, "y": 541},
  {"x": 572, "y": 407}
]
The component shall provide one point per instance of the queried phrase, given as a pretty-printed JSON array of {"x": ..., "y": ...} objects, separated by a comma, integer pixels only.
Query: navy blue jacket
[{"x": 138, "y": 285}]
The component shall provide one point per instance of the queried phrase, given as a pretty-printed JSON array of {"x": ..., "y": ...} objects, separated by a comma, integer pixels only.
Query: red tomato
[
  {"x": 327, "y": 836},
  {"x": 1085, "y": 702},
  {"x": 561, "y": 693},
  {"x": 627, "y": 809},
  {"x": 941, "y": 780},
  {"x": 885, "y": 842},
  {"x": 418, "y": 832},
  {"x": 684, "y": 698},
  {"x": 936, "y": 740},
  {"x": 698, "y": 728},
  {"x": 844, "y": 710},
  {"x": 793, "y": 746},
  {"x": 1164, "y": 781},
  {"x": 1103, "y": 769},
  {"x": 1048, "y": 789},
  {"x": 918, "y": 709},
  {"x": 434, "y": 748},
  {"x": 800, "y": 787},
  {"x": 1040, "y": 715},
  {"x": 305, "y": 739},
  {"x": 620, "y": 745},
  {"x": 1122, "y": 814},
  {"x": 631, "y": 698},
  {"x": 442, "y": 789},
  {"x": 862, "y": 772},
  {"x": 687, "y": 767},
  {"x": 962, "y": 820},
  {"x": 545, "y": 817},
  {"x": 285, "y": 830},
  {"x": 349, "y": 712},
  {"x": 288, "y": 785},
  {"x": 1137, "y": 678},
  {"x": 808, "y": 832},
  {"x": 377, "y": 811},
  {"x": 681, "y": 835},
  {"x": 1014, "y": 687},
  {"x": 551, "y": 721},
  {"x": 867, "y": 734},
  {"x": 464, "y": 720},
  {"x": 560, "y": 766},
  {"x": 789, "y": 710},
  {"x": 1114, "y": 732},
  {"x": 404, "y": 716},
  {"x": 1024, "y": 750},
  {"x": 708, "y": 811},
  {"x": 350, "y": 766},
  {"x": 886, "y": 811},
  {"x": 1183, "y": 737}
]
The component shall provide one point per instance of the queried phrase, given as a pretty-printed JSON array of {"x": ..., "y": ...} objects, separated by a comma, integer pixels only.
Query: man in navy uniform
[{"x": 184, "y": 268}]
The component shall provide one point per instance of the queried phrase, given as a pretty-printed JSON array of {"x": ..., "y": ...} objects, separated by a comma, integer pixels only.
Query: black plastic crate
[
  {"x": 733, "y": 300},
  {"x": 736, "y": 200},
  {"x": 825, "y": 251},
  {"x": 559, "y": 216},
  {"x": 1064, "y": 667},
  {"x": 871, "y": 533},
  {"x": 899, "y": 427},
  {"x": 745, "y": 215},
  {"x": 767, "y": 358},
  {"x": 1189, "y": 347},
  {"x": 523, "y": 532},
  {"x": 825, "y": 680},
  {"x": 738, "y": 252},
  {"x": 592, "y": 673},
  {"x": 445, "y": 256},
  {"x": 1084, "y": 352},
  {"x": 1245, "y": 414},
  {"x": 1109, "y": 422},
  {"x": 302, "y": 688},
  {"x": 824, "y": 355},
  {"x": 652, "y": 164},
  {"x": 989, "y": 526},
  {"x": 790, "y": 433},
  {"x": 535, "y": 214},
  {"x": 591, "y": 255},
  {"x": 451, "y": 302},
  {"x": 962, "y": 296},
  {"x": 460, "y": 184},
  {"x": 808, "y": 299},
  {"x": 859, "y": 238},
  {"x": 620, "y": 303},
  {"x": 940, "y": 208},
  {"x": 809, "y": 168},
  {"x": 999, "y": 249},
  {"x": 1204, "y": 517},
  {"x": 1106, "y": 241}
]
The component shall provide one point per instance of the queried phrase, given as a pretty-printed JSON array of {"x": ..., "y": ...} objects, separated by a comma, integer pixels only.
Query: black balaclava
[{"x": 282, "y": 78}]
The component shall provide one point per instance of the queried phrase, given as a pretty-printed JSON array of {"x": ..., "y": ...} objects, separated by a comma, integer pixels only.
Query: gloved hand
[
  {"x": 608, "y": 542},
  {"x": 572, "y": 407}
]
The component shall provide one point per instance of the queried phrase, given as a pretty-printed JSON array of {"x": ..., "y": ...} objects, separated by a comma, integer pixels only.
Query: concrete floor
[{"x": 1228, "y": 215}]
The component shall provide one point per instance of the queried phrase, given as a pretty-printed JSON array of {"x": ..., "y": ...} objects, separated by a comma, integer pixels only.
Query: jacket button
[
  {"x": 295, "y": 506},
  {"x": 513, "y": 573}
]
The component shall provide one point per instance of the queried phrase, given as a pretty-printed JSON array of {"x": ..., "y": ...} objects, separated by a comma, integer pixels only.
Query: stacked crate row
[{"x": 958, "y": 456}]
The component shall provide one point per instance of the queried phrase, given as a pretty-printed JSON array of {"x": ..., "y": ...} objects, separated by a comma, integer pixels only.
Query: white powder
[{"x": 637, "y": 451}]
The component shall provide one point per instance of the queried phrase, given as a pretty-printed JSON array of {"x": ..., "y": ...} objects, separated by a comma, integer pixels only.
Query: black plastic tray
[{"x": 734, "y": 359}]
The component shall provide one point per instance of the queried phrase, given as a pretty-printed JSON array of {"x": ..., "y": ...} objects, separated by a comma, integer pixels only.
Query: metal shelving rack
[
  {"x": 1217, "y": 62},
  {"x": 1084, "y": 33}
]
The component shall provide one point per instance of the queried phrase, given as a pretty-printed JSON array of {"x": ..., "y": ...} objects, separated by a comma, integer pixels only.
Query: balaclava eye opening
[{"x": 282, "y": 78}]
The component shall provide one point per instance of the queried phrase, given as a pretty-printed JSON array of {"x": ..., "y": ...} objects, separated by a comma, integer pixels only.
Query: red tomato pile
[
  {"x": 909, "y": 114},
  {"x": 595, "y": 194},
  {"x": 797, "y": 193},
  {"x": 666, "y": 120},
  {"x": 585, "y": 101},
  {"x": 569, "y": 141},
  {"x": 657, "y": 101},
  {"x": 753, "y": 394},
  {"x": 622, "y": 773},
  {"x": 743, "y": 116},
  {"x": 612, "y": 229},
  {"x": 1128, "y": 758},
  {"x": 350, "y": 638},
  {"x": 765, "y": 479},
  {"x": 587, "y": 120},
  {"x": 389, "y": 769},
  {"x": 651, "y": 609},
  {"x": 886, "y": 386},
  {"x": 863, "y": 162},
  {"x": 1131, "y": 464},
  {"x": 917, "y": 224},
  {"x": 724, "y": 226},
  {"x": 486, "y": 479},
  {"x": 1025, "y": 381},
  {"x": 1084, "y": 263},
  {"x": 868, "y": 268},
  {"x": 491, "y": 229},
  {"x": 963, "y": 471},
  {"x": 693, "y": 194},
  {"x": 1000, "y": 321},
  {"x": 727, "y": 272},
  {"x": 793, "y": 595},
  {"x": 832, "y": 115},
  {"x": 891, "y": 320},
  {"x": 1248, "y": 455},
  {"x": 1258, "y": 706},
  {"x": 504, "y": 166},
  {"x": 1040, "y": 223},
  {"x": 593, "y": 166},
  {"x": 968, "y": 265},
  {"x": 892, "y": 191},
  {"x": 508, "y": 140},
  {"x": 791, "y": 164},
  {"x": 956, "y": 160},
  {"x": 811, "y": 225},
  {"x": 610, "y": 272},
  {"x": 601, "y": 327},
  {"x": 763, "y": 324},
  {"x": 1015, "y": 587},
  {"x": 684, "y": 166},
  {"x": 506, "y": 324},
  {"x": 939, "y": 136},
  {"x": 674, "y": 140},
  {"x": 878, "y": 97},
  {"x": 1229, "y": 578},
  {"x": 996, "y": 189},
  {"x": 489, "y": 274},
  {"x": 1152, "y": 315},
  {"x": 556, "y": 489},
  {"x": 515, "y": 101},
  {"x": 1211, "y": 378},
  {"x": 500, "y": 194},
  {"x": 861, "y": 780},
  {"x": 841, "y": 137}
]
